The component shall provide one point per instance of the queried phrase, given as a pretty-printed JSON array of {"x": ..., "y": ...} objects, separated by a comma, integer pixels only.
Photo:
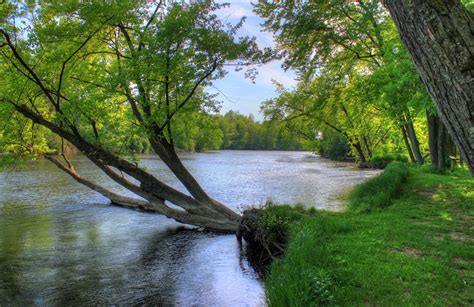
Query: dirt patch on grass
[
  {"x": 462, "y": 262},
  {"x": 427, "y": 192},
  {"x": 455, "y": 235},
  {"x": 463, "y": 266},
  {"x": 427, "y": 223},
  {"x": 462, "y": 215},
  {"x": 409, "y": 251},
  {"x": 460, "y": 236}
]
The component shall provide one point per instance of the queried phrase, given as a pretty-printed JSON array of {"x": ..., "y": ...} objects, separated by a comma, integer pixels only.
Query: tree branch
[
  {"x": 191, "y": 93},
  {"x": 69, "y": 58},
  {"x": 113, "y": 197},
  {"x": 27, "y": 67}
]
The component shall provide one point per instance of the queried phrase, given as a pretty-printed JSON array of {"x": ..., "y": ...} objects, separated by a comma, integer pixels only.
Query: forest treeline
[{"x": 203, "y": 132}]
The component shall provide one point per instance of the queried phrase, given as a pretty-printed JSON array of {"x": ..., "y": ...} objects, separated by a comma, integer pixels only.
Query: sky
[{"x": 237, "y": 92}]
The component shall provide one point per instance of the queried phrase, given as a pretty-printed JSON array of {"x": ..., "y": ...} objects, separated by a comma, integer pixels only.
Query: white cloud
[
  {"x": 272, "y": 71},
  {"x": 236, "y": 10}
]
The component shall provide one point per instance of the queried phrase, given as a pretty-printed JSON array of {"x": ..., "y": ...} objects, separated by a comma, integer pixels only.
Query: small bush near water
[
  {"x": 266, "y": 231},
  {"x": 379, "y": 191},
  {"x": 382, "y": 161}
]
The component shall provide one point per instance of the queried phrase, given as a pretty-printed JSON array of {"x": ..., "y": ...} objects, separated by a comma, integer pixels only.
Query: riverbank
[{"x": 411, "y": 244}]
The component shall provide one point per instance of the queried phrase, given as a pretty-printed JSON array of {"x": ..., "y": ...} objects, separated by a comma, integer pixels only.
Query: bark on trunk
[
  {"x": 439, "y": 37},
  {"x": 153, "y": 204},
  {"x": 169, "y": 156}
]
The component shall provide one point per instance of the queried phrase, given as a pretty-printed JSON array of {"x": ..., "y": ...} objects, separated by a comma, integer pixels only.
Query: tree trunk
[
  {"x": 441, "y": 148},
  {"x": 415, "y": 145},
  {"x": 433, "y": 137},
  {"x": 439, "y": 37},
  {"x": 441, "y": 144},
  {"x": 367, "y": 147},
  {"x": 407, "y": 144},
  {"x": 360, "y": 152},
  {"x": 168, "y": 154}
]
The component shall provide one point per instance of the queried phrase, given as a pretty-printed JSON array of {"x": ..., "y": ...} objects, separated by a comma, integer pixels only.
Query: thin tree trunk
[
  {"x": 113, "y": 197},
  {"x": 415, "y": 145},
  {"x": 407, "y": 144},
  {"x": 439, "y": 37},
  {"x": 360, "y": 152},
  {"x": 367, "y": 147},
  {"x": 355, "y": 144},
  {"x": 441, "y": 148},
  {"x": 433, "y": 137}
]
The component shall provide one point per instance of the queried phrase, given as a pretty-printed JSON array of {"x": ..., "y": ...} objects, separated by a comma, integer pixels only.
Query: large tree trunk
[
  {"x": 167, "y": 153},
  {"x": 439, "y": 37}
]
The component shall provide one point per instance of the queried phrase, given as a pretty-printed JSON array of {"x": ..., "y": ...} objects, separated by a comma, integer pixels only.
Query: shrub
[
  {"x": 381, "y": 161},
  {"x": 378, "y": 192},
  {"x": 266, "y": 231}
]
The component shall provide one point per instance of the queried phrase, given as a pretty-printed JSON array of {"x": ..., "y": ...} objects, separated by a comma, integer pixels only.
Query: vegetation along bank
[{"x": 406, "y": 238}]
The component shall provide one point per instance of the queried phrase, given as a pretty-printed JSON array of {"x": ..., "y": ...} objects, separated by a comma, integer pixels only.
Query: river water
[{"x": 62, "y": 244}]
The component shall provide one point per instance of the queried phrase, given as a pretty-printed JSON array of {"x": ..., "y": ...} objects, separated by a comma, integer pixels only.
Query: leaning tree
[
  {"x": 92, "y": 72},
  {"x": 440, "y": 38}
]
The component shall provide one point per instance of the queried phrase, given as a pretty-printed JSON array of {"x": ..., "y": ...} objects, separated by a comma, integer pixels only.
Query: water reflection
[{"x": 62, "y": 244}]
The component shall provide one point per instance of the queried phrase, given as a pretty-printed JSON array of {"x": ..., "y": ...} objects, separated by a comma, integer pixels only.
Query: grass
[
  {"x": 417, "y": 249},
  {"x": 379, "y": 192}
]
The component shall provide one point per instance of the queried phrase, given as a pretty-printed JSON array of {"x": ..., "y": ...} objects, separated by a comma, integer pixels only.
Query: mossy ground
[{"x": 419, "y": 250}]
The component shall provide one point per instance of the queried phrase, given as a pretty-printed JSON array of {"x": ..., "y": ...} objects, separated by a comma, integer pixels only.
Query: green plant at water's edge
[
  {"x": 266, "y": 232},
  {"x": 379, "y": 191},
  {"x": 381, "y": 161}
]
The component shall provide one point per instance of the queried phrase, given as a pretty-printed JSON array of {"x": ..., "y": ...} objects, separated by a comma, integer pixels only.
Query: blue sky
[{"x": 241, "y": 94}]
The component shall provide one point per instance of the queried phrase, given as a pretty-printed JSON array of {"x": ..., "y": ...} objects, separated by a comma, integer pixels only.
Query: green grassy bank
[{"x": 407, "y": 238}]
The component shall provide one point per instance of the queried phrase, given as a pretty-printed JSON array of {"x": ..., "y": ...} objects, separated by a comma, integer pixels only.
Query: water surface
[{"x": 61, "y": 243}]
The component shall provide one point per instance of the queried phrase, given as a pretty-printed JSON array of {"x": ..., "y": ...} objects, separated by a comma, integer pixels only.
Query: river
[{"x": 62, "y": 244}]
